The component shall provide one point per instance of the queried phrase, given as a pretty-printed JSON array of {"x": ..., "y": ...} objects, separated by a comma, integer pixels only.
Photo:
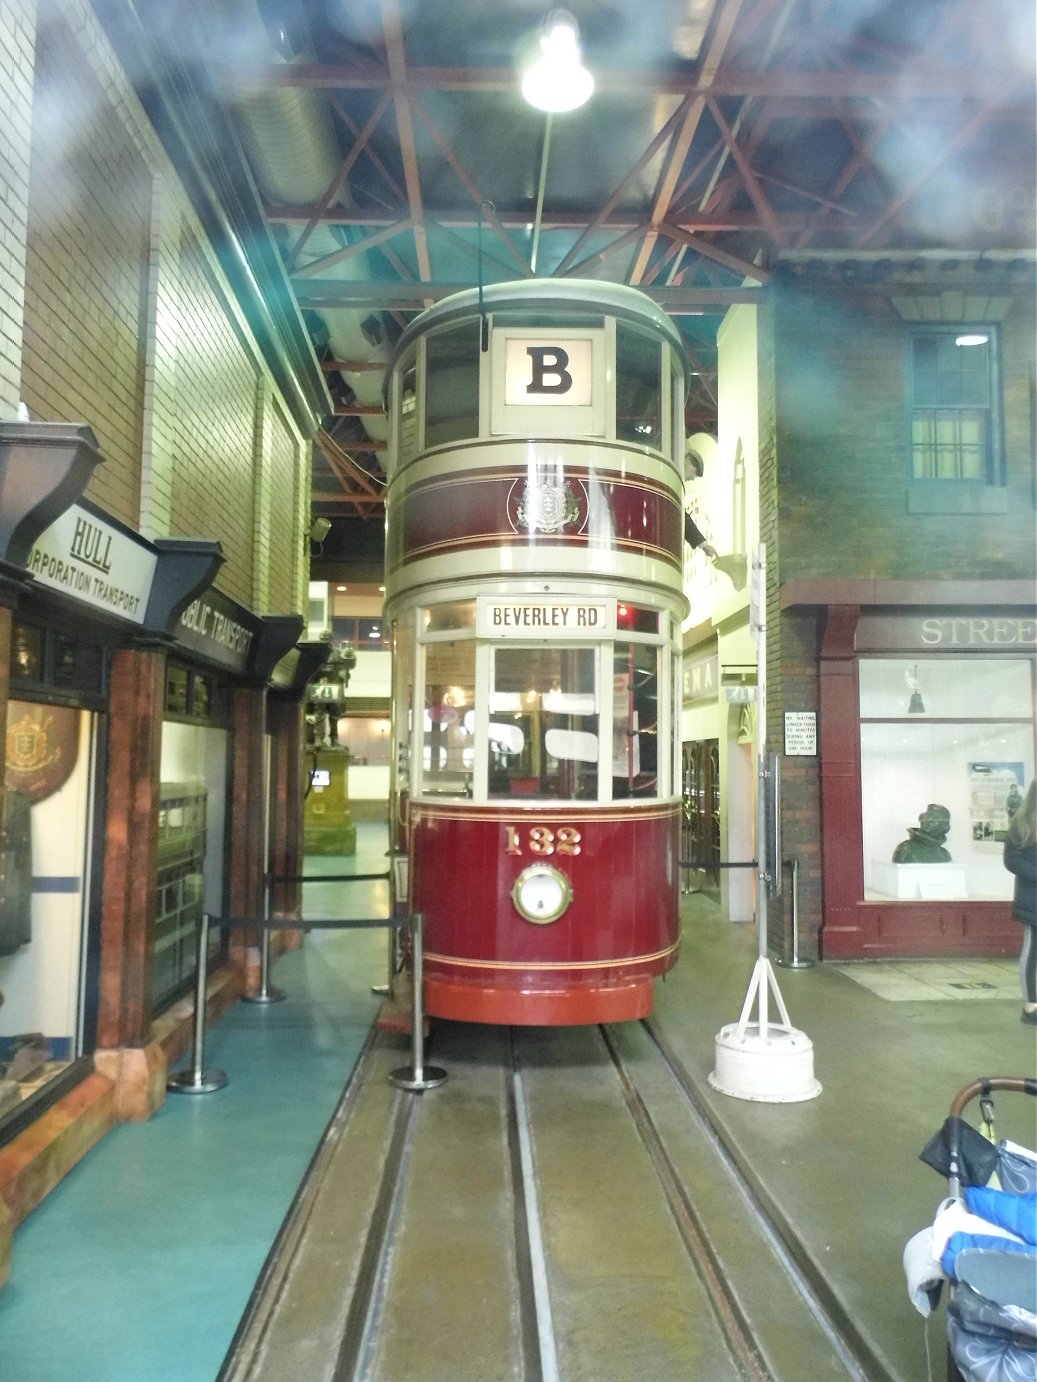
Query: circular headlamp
[{"x": 541, "y": 893}]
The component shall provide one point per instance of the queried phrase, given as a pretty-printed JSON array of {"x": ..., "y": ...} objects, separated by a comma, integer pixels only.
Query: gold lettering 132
[{"x": 564, "y": 840}]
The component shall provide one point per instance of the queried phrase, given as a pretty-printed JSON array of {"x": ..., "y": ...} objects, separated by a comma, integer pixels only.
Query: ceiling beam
[
  {"x": 392, "y": 27},
  {"x": 789, "y": 84},
  {"x": 519, "y": 218},
  {"x": 412, "y": 296},
  {"x": 720, "y": 35}
]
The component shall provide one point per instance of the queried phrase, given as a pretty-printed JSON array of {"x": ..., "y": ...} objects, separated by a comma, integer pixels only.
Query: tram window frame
[
  {"x": 629, "y": 340},
  {"x": 467, "y": 358},
  {"x": 407, "y": 420}
]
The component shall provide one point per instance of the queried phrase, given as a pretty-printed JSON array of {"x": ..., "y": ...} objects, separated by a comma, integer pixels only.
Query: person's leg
[{"x": 1028, "y": 973}]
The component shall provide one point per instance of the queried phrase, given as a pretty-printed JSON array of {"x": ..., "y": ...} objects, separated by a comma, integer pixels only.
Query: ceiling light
[
  {"x": 556, "y": 80},
  {"x": 970, "y": 338}
]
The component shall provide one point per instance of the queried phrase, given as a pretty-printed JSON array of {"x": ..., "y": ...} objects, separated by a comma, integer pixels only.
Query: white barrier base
[{"x": 774, "y": 1068}]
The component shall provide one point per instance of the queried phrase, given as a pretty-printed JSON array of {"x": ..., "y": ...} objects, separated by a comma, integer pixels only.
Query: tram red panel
[
  {"x": 482, "y": 508},
  {"x": 486, "y": 962}
]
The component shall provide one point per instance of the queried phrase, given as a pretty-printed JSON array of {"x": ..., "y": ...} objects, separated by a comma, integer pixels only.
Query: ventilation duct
[{"x": 289, "y": 140}]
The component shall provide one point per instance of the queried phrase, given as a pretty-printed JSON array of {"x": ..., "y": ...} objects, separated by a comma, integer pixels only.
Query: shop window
[
  {"x": 191, "y": 825},
  {"x": 639, "y": 398},
  {"x": 947, "y": 748},
  {"x": 49, "y": 659},
  {"x": 954, "y": 423},
  {"x": 193, "y": 695},
  {"x": 452, "y": 384},
  {"x": 43, "y": 897}
]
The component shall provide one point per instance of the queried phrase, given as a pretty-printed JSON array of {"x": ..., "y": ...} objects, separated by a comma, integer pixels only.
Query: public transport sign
[{"x": 533, "y": 616}]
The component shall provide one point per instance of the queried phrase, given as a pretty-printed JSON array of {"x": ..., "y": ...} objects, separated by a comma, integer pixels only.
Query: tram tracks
[{"x": 561, "y": 1210}]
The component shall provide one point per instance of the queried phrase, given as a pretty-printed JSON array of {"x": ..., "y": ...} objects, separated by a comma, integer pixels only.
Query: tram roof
[{"x": 533, "y": 294}]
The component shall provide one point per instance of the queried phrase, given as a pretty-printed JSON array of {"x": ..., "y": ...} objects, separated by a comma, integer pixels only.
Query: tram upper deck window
[
  {"x": 452, "y": 384},
  {"x": 543, "y": 733},
  {"x": 637, "y": 619},
  {"x": 408, "y": 438},
  {"x": 456, "y": 614},
  {"x": 639, "y": 388}
]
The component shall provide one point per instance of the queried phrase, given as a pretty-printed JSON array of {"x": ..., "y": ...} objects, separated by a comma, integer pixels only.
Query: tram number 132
[{"x": 541, "y": 840}]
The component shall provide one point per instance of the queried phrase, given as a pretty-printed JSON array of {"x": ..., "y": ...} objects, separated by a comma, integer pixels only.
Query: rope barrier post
[
  {"x": 417, "y": 1076},
  {"x": 198, "y": 1080},
  {"x": 267, "y": 992}
]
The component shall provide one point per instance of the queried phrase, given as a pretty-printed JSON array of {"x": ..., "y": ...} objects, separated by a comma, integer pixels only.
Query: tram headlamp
[{"x": 541, "y": 893}]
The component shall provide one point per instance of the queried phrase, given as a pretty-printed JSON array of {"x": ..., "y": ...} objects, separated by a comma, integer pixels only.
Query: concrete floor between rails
[
  {"x": 141, "y": 1262},
  {"x": 836, "y": 1179}
]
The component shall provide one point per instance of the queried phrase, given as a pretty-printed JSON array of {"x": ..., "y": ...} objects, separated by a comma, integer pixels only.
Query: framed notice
[{"x": 800, "y": 733}]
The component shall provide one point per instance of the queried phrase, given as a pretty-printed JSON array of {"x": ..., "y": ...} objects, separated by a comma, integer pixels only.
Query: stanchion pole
[
  {"x": 198, "y": 1080},
  {"x": 795, "y": 961},
  {"x": 267, "y": 992},
  {"x": 417, "y": 1076}
]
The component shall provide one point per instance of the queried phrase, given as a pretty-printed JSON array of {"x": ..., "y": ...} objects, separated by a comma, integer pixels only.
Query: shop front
[
  {"x": 927, "y": 745},
  {"x": 136, "y": 788}
]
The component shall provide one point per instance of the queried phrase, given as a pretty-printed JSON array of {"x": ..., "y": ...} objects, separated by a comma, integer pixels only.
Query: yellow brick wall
[
  {"x": 89, "y": 209},
  {"x": 17, "y": 42},
  {"x": 130, "y": 326}
]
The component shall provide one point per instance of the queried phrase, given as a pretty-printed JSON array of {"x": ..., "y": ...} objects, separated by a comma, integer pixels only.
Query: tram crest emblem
[{"x": 547, "y": 506}]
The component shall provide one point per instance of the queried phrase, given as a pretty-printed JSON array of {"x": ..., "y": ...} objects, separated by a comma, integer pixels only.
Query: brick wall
[
  {"x": 833, "y": 481},
  {"x": 17, "y": 42},
  {"x": 842, "y": 443},
  {"x": 89, "y": 209},
  {"x": 130, "y": 325}
]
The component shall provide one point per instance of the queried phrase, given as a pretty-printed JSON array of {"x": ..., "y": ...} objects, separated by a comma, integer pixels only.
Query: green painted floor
[{"x": 137, "y": 1267}]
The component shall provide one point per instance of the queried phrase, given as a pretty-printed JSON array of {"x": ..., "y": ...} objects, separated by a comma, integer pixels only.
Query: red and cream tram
[{"x": 534, "y": 588}]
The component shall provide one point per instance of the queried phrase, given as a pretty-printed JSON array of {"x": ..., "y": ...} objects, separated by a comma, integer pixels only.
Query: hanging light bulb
[{"x": 557, "y": 80}]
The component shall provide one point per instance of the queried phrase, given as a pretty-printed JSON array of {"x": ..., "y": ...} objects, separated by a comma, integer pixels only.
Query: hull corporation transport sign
[{"x": 89, "y": 559}]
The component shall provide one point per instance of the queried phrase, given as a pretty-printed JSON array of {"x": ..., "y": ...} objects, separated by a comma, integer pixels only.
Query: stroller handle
[{"x": 1015, "y": 1083}]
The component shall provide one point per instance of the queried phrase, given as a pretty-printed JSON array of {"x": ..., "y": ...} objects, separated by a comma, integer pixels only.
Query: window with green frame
[{"x": 954, "y": 421}]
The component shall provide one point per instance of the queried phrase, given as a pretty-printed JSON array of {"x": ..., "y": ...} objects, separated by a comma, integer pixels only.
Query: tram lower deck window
[{"x": 544, "y": 713}]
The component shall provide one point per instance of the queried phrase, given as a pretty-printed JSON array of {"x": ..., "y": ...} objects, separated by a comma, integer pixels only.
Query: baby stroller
[{"x": 982, "y": 1242}]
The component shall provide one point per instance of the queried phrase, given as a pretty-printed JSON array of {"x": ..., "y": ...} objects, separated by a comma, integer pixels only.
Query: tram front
[{"x": 534, "y": 589}]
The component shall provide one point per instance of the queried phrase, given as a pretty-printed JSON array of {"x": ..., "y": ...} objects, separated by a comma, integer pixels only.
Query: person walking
[{"x": 1021, "y": 860}]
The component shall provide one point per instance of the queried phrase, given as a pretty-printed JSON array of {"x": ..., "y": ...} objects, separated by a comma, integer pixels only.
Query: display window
[
  {"x": 947, "y": 751},
  {"x": 44, "y": 892},
  {"x": 191, "y": 828}
]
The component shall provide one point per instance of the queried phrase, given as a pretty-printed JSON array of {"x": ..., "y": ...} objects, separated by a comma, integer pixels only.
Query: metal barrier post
[
  {"x": 198, "y": 1080},
  {"x": 266, "y": 993},
  {"x": 794, "y": 961},
  {"x": 417, "y": 1076}
]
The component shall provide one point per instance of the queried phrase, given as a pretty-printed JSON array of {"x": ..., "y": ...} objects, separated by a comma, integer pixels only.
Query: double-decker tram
[{"x": 534, "y": 588}]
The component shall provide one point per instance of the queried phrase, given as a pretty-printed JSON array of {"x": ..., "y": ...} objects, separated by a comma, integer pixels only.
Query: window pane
[
  {"x": 543, "y": 739},
  {"x": 449, "y": 697},
  {"x": 635, "y": 712},
  {"x": 408, "y": 405},
  {"x": 459, "y": 614},
  {"x": 452, "y": 384},
  {"x": 638, "y": 388},
  {"x": 947, "y": 687},
  {"x": 966, "y": 768}
]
